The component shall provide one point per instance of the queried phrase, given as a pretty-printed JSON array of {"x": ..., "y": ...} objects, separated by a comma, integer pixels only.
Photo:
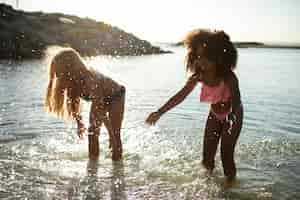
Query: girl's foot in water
[
  {"x": 229, "y": 183},
  {"x": 208, "y": 172}
]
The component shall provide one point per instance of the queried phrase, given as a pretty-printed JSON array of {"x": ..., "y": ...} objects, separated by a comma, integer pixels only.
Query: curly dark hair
[{"x": 217, "y": 48}]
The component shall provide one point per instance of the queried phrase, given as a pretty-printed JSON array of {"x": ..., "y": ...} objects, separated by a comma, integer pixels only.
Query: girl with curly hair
[{"x": 211, "y": 59}]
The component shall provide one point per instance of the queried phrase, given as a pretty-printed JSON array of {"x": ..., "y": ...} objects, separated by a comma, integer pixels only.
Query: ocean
[{"x": 42, "y": 158}]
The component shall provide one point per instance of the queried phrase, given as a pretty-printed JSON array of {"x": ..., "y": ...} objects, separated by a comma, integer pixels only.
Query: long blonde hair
[{"x": 63, "y": 91}]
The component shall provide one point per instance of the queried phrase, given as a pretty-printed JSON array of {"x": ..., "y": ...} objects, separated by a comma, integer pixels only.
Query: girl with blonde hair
[{"x": 70, "y": 82}]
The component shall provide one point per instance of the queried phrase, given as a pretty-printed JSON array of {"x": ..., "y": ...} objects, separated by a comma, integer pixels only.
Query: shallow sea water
[{"x": 41, "y": 157}]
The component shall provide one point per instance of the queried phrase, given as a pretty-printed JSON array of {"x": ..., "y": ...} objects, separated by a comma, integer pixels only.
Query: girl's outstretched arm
[{"x": 175, "y": 100}]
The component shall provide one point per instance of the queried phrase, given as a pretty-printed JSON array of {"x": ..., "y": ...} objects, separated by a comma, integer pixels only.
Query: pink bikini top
[{"x": 215, "y": 94}]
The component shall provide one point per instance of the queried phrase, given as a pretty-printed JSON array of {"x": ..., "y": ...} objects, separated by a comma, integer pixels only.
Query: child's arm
[
  {"x": 175, "y": 100},
  {"x": 77, "y": 116},
  {"x": 233, "y": 84}
]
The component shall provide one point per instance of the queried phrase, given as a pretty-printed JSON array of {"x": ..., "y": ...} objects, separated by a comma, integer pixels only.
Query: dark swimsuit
[
  {"x": 115, "y": 96},
  {"x": 111, "y": 98}
]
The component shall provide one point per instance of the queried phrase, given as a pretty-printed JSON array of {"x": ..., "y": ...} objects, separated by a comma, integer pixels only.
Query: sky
[{"x": 274, "y": 21}]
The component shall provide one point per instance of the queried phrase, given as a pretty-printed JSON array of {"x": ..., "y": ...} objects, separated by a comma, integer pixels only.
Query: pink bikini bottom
[{"x": 221, "y": 116}]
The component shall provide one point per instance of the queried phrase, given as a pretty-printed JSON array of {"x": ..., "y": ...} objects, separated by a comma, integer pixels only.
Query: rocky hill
[{"x": 26, "y": 35}]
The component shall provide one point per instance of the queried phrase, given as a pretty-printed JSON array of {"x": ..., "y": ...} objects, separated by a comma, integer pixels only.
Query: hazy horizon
[{"x": 269, "y": 21}]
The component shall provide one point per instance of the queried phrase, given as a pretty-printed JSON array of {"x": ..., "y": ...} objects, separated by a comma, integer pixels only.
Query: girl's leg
[
  {"x": 116, "y": 113},
  {"x": 112, "y": 139},
  {"x": 228, "y": 141},
  {"x": 96, "y": 117},
  {"x": 94, "y": 146},
  {"x": 211, "y": 139}
]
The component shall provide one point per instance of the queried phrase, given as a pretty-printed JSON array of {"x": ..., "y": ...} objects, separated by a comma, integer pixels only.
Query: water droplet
[
  {"x": 278, "y": 164},
  {"x": 229, "y": 131}
]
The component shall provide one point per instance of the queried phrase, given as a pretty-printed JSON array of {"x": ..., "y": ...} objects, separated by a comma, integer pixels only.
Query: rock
[{"x": 26, "y": 35}]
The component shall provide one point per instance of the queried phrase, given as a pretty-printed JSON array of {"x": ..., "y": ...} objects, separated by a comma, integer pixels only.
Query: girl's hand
[
  {"x": 153, "y": 118},
  {"x": 228, "y": 126},
  {"x": 230, "y": 120},
  {"x": 80, "y": 130}
]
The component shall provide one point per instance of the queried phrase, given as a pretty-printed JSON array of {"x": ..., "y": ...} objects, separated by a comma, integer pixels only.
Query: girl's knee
[{"x": 93, "y": 131}]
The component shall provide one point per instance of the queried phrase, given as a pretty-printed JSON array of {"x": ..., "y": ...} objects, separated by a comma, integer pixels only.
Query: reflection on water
[
  {"x": 41, "y": 157},
  {"x": 93, "y": 186}
]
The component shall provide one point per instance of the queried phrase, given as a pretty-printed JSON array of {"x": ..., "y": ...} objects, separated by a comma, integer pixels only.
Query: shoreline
[{"x": 253, "y": 45}]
